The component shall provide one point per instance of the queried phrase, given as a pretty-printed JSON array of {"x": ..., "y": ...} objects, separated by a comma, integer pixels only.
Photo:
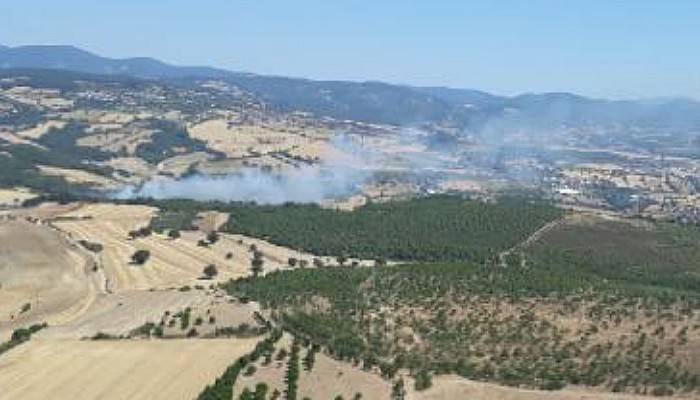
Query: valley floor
[{"x": 83, "y": 294}]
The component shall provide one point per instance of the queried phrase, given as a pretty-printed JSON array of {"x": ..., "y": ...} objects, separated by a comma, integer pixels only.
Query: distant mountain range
[
  {"x": 376, "y": 101},
  {"x": 75, "y": 59}
]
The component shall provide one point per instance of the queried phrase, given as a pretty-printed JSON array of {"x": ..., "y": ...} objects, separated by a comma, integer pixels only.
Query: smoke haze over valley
[
  {"x": 333, "y": 200},
  {"x": 307, "y": 184}
]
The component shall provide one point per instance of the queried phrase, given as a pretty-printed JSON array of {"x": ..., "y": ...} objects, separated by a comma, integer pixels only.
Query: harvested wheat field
[
  {"x": 111, "y": 370},
  {"x": 243, "y": 140},
  {"x": 78, "y": 176},
  {"x": 172, "y": 262},
  {"x": 45, "y": 211},
  {"x": 42, "y": 276},
  {"x": 119, "y": 313}
]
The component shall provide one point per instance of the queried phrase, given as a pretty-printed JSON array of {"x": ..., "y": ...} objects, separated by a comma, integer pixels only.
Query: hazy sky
[{"x": 606, "y": 48}]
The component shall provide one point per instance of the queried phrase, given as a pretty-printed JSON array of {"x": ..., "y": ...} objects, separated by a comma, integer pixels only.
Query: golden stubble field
[
  {"x": 44, "y": 268},
  {"x": 173, "y": 262},
  {"x": 42, "y": 277},
  {"x": 116, "y": 370},
  {"x": 15, "y": 196},
  {"x": 239, "y": 140},
  {"x": 80, "y": 294}
]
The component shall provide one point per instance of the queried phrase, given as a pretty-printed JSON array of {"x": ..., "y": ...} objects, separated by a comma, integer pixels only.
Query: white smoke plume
[
  {"x": 308, "y": 184},
  {"x": 305, "y": 184},
  {"x": 486, "y": 155}
]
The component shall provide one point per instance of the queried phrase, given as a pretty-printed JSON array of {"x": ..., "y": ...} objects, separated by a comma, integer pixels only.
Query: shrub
[
  {"x": 212, "y": 237},
  {"x": 250, "y": 371},
  {"x": 210, "y": 271},
  {"x": 140, "y": 257}
]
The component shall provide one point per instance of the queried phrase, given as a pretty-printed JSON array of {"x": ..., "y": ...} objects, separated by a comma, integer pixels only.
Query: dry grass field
[
  {"x": 172, "y": 263},
  {"x": 138, "y": 169},
  {"x": 99, "y": 117},
  {"x": 11, "y": 138},
  {"x": 44, "y": 211},
  {"x": 330, "y": 378},
  {"x": 41, "y": 129},
  {"x": 14, "y": 197},
  {"x": 243, "y": 140},
  {"x": 117, "y": 140},
  {"x": 78, "y": 176},
  {"x": 42, "y": 277},
  {"x": 116, "y": 370},
  {"x": 119, "y": 313},
  {"x": 455, "y": 387},
  {"x": 118, "y": 298},
  {"x": 43, "y": 265},
  {"x": 178, "y": 165}
]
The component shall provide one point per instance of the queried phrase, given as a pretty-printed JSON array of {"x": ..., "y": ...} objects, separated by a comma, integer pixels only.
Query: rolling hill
[{"x": 378, "y": 102}]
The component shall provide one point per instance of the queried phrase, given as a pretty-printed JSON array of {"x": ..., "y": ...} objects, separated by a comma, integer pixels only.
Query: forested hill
[
  {"x": 593, "y": 302},
  {"x": 436, "y": 228}
]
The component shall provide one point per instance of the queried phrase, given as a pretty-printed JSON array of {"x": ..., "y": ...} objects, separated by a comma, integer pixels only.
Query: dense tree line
[
  {"x": 662, "y": 258},
  {"x": 222, "y": 388},
  {"x": 168, "y": 140},
  {"x": 20, "y": 336},
  {"x": 291, "y": 376},
  {"x": 435, "y": 228},
  {"x": 438, "y": 228},
  {"x": 64, "y": 141}
]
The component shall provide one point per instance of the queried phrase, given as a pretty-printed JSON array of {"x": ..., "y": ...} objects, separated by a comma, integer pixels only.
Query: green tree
[
  {"x": 140, "y": 257},
  {"x": 257, "y": 266}
]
